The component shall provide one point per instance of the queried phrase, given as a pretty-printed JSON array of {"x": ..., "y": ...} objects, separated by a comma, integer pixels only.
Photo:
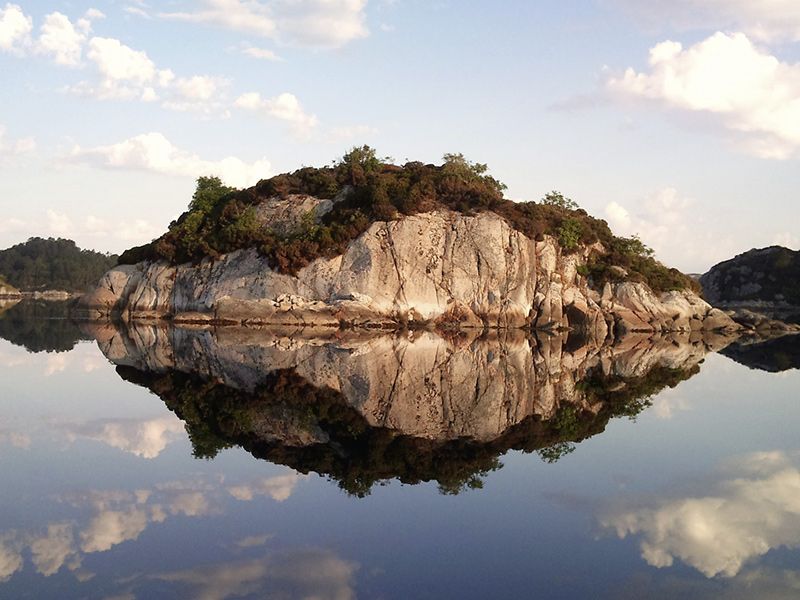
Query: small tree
[
  {"x": 360, "y": 162},
  {"x": 208, "y": 192},
  {"x": 558, "y": 199}
]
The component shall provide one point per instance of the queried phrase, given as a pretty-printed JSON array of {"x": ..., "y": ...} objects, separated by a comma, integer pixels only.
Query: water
[{"x": 426, "y": 468}]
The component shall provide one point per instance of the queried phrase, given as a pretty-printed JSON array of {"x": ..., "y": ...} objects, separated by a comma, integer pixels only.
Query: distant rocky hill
[
  {"x": 369, "y": 243},
  {"x": 765, "y": 279}
]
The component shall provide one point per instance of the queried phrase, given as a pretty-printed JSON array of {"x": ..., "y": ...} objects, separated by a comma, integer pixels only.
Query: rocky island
[
  {"x": 366, "y": 243},
  {"x": 761, "y": 285}
]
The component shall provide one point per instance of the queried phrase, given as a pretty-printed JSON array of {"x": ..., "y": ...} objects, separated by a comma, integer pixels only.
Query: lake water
[{"x": 177, "y": 463}]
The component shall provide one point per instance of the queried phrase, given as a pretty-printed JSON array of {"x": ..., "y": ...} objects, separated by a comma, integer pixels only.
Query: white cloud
[
  {"x": 197, "y": 93},
  {"x": 754, "y": 509},
  {"x": 673, "y": 226},
  {"x": 125, "y": 73},
  {"x": 94, "y": 13},
  {"x": 753, "y": 95},
  {"x": 764, "y": 20},
  {"x": 60, "y": 39},
  {"x": 260, "y": 53},
  {"x": 328, "y": 23},
  {"x": 51, "y": 551},
  {"x": 145, "y": 438},
  {"x": 279, "y": 488},
  {"x": 137, "y": 11},
  {"x": 15, "y": 28},
  {"x": 316, "y": 574},
  {"x": 315, "y": 23},
  {"x": 285, "y": 107},
  {"x": 10, "y": 556},
  {"x": 15, "y": 147},
  {"x": 112, "y": 527},
  {"x": 129, "y": 74},
  {"x": 154, "y": 152}
]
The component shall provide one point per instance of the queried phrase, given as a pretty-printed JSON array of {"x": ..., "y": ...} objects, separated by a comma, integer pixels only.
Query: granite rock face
[{"x": 439, "y": 268}]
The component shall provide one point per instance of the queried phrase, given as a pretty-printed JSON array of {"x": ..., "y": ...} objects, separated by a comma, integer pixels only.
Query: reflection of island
[
  {"x": 775, "y": 355},
  {"x": 40, "y": 325},
  {"x": 415, "y": 406}
]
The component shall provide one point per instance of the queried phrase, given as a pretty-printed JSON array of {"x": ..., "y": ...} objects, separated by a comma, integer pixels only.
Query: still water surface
[{"x": 269, "y": 487}]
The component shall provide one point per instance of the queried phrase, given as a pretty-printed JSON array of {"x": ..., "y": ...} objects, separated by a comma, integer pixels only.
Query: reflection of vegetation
[
  {"x": 287, "y": 420},
  {"x": 774, "y": 356},
  {"x": 220, "y": 220},
  {"x": 53, "y": 264},
  {"x": 41, "y": 326}
]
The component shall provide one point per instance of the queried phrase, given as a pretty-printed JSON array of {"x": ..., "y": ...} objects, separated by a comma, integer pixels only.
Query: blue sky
[{"x": 681, "y": 125}]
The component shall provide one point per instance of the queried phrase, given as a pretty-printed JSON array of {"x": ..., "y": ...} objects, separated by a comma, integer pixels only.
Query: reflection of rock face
[
  {"x": 278, "y": 395},
  {"x": 418, "y": 384},
  {"x": 439, "y": 267}
]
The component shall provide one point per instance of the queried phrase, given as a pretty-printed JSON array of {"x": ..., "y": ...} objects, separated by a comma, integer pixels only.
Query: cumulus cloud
[
  {"x": 753, "y": 508},
  {"x": 317, "y": 574},
  {"x": 669, "y": 223},
  {"x": 278, "y": 488},
  {"x": 61, "y": 40},
  {"x": 145, "y": 438},
  {"x": 285, "y": 107},
  {"x": 124, "y": 73},
  {"x": 55, "y": 549},
  {"x": 260, "y": 53},
  {"x": 15, "y": 28},
  {"x": 10, "y": 556},
  {"x": 112, "y": 527},
  {"x": 154, "y": 152},
  {"x": 116, "y": 517},
  {"x": 314, "y": 23},
  {"x": 752, "y": 94},
  {"x": 764, "y": 20}
]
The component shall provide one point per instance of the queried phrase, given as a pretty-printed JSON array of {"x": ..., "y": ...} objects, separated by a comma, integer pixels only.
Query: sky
[{"x": 678, "y": 122}]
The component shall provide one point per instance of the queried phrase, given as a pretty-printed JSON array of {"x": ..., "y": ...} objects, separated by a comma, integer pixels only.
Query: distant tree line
[{"x": 53, "y": 264}]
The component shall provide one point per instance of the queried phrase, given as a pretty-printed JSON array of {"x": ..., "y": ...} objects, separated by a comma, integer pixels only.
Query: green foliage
[
  {"x": 554, "y": 453},
  {"x": 53, "y": 264},
  {"x": 570, "y": 233},
  {"x": 637, "y": 259},
  {"x": 371, "y": 189},
  {"x": 559, "y": 200}
]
